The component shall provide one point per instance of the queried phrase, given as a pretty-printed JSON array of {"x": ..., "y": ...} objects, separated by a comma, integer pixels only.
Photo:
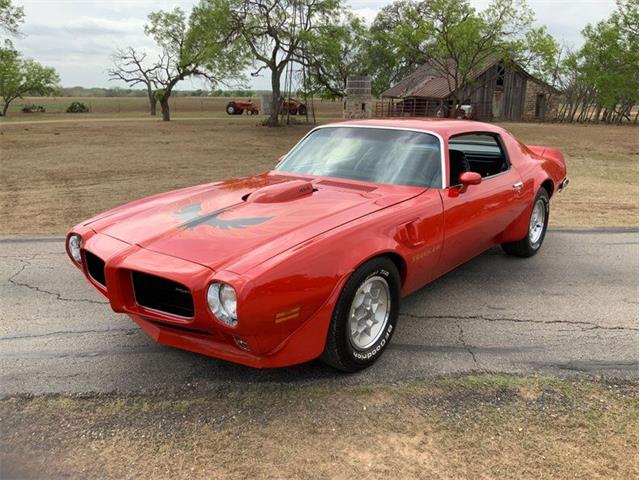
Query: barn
[{"x": 499, "y": 91}]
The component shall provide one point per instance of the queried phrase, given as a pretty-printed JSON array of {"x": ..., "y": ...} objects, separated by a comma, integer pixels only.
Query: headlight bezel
[
  {"x": 222, "y": 300},
  {"x": 74, "y": 248}
]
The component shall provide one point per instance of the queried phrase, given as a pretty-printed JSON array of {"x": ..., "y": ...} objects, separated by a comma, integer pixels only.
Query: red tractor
[
  {"x": 294, "y": 107},
  {"x": 237, "y": 107}
]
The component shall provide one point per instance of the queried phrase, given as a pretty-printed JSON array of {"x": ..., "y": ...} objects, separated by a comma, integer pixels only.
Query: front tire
[
  {"x": 365, "y": 316},
  {"x": 538, "y": 221}
]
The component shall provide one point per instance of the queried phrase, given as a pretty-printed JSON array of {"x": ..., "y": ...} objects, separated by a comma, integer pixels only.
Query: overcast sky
[{"x": 77, "y": 37}]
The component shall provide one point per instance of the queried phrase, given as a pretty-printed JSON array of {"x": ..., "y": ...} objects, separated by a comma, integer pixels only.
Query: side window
[{"x": 482, "y": 153}]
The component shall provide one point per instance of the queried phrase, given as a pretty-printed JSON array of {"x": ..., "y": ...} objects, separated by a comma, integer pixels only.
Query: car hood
[{"x": 257, "y": 217}]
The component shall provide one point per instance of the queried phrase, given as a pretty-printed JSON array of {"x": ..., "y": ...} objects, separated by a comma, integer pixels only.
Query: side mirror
[{"x": 469, "y": 178}]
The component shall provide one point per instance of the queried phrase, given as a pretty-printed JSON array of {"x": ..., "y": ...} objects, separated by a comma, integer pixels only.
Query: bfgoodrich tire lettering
[{"x": 341, "y": 350}]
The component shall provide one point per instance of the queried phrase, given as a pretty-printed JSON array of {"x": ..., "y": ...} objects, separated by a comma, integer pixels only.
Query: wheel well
[
  {"x": 400, "y": 264},
  {"x": 548, "y": 186}
]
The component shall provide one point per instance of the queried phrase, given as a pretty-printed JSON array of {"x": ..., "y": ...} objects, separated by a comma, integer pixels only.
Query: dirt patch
[
  {"x": 602, "y": 162},
  {"x": 55, "y": 174},
  {"x": 468, "y": 427}
]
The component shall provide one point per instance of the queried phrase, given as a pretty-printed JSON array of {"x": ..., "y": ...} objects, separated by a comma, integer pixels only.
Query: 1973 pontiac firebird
[{"x": 311, "y": 259}]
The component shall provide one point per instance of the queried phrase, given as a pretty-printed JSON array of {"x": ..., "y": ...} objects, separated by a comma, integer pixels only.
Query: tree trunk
[
  {"x": 4, "y": 109},
  {"x": 275, "y": 97},
  {"x": 153, "y": 101},
  {"x": 164, "y": 105},
  {"x": 598, "y": 114}
]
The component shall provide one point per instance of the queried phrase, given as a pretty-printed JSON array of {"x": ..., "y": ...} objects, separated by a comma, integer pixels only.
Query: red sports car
[{"x": 311, "y": 258}]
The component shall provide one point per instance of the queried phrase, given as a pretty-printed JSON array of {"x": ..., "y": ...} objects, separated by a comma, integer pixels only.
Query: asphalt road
[{"x": 572, "y": 309}]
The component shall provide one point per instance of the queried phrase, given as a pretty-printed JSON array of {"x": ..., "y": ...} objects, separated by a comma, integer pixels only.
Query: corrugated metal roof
[
  {"x": 436, "y": 87},
  {"x": 425, "y": 81}
]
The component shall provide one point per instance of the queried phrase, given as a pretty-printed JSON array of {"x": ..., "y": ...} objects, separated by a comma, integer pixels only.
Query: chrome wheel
[
  {"x": 537, "y": 221},
  {"x": 369, "y": 312}
]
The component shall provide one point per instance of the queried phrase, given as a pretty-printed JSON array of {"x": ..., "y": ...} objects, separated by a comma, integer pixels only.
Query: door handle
[
  {"x": 410, "y": 234},
  {"x": 518, "y": 185}
]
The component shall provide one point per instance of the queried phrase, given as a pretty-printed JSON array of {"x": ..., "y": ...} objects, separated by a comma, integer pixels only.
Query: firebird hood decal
[
  {"x": 235, "y": 233},
  {"x": 192, "y": 215}
]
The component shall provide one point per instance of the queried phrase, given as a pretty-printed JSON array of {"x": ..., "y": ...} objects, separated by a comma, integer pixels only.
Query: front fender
[{"x": 284, "y": 292}]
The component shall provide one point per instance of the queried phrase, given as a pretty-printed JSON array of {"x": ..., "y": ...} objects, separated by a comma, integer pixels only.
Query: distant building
[
  {"x": 358, "y": 100},
  {"x": 496, "y": 92}
]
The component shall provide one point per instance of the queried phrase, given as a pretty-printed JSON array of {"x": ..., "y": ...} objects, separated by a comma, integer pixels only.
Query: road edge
[{"x": 60, "y": 238}]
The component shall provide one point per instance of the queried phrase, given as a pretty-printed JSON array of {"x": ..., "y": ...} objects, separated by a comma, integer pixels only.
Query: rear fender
[{"x": 553, "y": 165}]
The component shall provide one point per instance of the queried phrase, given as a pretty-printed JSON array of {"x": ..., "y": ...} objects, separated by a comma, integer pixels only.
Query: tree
[
  {"x": 538, "y": 53},
  {"x": 334, "y": 52},
  {"x": 601, "y": 78},
  {"x": 272, "y": 31},
  {"x": 19, "y": 77},
  {"x": 387, "y": 58},
  {"x": 133, "y": 68},
  {"x": 456, "y": 40},
  {"x": 188, "y": 50},
  {"x": 11, "y": 17}
]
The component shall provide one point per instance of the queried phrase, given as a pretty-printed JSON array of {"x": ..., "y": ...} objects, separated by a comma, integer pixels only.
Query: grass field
[
  {"x": 56, "y": 173},
  {"x": 101, "y": 107},
  {"x": 470, "y": 427}
]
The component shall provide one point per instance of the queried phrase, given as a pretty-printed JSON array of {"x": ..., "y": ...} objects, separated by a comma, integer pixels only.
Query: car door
[{"x": 475, "y": 217}]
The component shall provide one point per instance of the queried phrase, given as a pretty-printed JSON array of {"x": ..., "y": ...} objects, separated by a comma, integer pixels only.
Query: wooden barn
[{"x": 496, "y": 92}]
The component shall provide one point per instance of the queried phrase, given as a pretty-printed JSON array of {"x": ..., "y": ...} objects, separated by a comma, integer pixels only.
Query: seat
[{"x": 458, "y": 164}]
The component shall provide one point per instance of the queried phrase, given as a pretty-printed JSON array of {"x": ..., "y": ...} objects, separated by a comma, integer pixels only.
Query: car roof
[{"x": 445, "y": 127}]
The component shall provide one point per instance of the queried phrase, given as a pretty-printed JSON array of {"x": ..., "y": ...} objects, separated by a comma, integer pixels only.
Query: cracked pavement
[{"x": 572, "y": 309}]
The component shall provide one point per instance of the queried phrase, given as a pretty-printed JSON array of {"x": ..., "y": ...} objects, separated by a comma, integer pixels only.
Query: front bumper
[
  {"x": 563, "y": 184},
  {"x": 200, "y": 333}
]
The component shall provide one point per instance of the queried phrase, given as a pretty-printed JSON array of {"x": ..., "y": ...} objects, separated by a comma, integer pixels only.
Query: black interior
[
  {"x": 483, "y": 152},
  {"x": 458, "y": 164}
]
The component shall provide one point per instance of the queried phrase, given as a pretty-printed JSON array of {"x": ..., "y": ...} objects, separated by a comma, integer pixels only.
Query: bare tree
[
  {"x": 132, "y": 68},
  {"x": 190, "y": 49}
]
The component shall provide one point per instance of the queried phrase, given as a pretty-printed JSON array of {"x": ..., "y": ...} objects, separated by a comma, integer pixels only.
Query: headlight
[
  {"x": 222, "y": 302},
  {"x": 73, "y": 244}
]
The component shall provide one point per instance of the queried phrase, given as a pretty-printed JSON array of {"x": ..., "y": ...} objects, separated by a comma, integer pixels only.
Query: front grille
[
  {"x": 95, "y": 267},
  {"x": 161, "y": 294}
]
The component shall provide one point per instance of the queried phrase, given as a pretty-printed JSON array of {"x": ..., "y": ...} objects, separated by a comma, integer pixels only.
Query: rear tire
[
  {"x": 364, "y": 317},
  {"x": 538, "y": 221},
  {"x": 231, "y": 108}
]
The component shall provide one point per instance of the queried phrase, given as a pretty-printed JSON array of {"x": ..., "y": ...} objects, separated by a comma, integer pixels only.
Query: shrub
[
  {"x": 33, "y": 108},
  {"x": 77, "y": 107}
]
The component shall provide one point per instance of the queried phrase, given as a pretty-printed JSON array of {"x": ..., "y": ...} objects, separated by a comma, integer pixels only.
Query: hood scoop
[{"x": 281, "y": 192}]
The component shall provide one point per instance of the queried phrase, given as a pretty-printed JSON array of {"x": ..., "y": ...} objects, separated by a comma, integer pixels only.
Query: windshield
[{"x": 399, "y": 157}]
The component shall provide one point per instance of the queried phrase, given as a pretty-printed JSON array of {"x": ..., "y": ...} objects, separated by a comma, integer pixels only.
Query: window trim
[
  {"x": 443, "y": 169},
  {"x": 501, "y": 145}
]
